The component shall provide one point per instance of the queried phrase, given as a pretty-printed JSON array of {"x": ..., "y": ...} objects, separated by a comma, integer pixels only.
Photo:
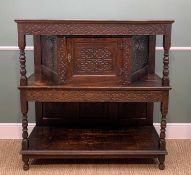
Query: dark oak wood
[
  {"x": 79, "y": 59},
  {"x": 94, "y": 114},
  {"x": 77, "y": 27},
  {"x": 148, "y": 82},
  {"x": 94, "y": 85},
  {"x": 94, "y": 142}
]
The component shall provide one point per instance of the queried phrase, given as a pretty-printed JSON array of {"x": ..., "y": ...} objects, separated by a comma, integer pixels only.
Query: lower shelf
[{"x": 60, "y": 142}]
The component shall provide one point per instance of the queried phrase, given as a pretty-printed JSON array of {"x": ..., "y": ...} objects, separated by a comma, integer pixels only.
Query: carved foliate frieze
[
  {"x": 93, "y": 96},
  {"x": 93, "y": 28},
  {"x": 126, "y": 46}
]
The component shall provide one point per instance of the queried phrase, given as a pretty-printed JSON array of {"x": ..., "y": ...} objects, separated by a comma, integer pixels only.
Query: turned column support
[
  {"x": 22, "y": 58},
  {"x": 166, "y": 46}
]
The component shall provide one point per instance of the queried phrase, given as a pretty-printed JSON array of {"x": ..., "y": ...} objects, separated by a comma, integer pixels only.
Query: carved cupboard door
[{"x": 92, "y": 59}]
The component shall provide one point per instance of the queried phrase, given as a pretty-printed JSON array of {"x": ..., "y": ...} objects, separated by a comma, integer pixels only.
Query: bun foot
[
  {"x": 161, "y": 162},
  {"x": 26, "y": 163},
  {"x": 26, "y": 167},
  {"x": 162, "y": 166}
]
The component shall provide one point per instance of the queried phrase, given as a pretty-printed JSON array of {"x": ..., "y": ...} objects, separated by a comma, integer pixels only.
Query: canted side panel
[
  {"x": 140, "y": 52},
  {"x": 94, "y": 114},
  {"x": 49, "y": 47},
  {"x": 48, "y": 57},
  {"x": 37, "y": 54},
  {"x": 151, "y": 61}
]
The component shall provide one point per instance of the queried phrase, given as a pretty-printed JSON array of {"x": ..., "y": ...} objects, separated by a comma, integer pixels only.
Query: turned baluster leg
[
  {"x": 24, "y": 110},
  {"x": 164, "y": 111},
  {"x": 24, "y": 103},
  {"x": 164, "y": 103}
]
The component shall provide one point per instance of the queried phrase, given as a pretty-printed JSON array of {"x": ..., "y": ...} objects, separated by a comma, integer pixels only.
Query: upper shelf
[
  {"x": 87, "y": 27},
  {"x": 148, "y": 82},
  {"x": 95, "y": 21}
]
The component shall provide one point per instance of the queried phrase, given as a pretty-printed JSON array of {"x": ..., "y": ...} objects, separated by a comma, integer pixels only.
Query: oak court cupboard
[{"x": 94, "y": 85}]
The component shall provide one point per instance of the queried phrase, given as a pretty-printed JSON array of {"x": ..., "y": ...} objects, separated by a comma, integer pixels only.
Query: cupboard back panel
[{"x": 94, "y": 114}]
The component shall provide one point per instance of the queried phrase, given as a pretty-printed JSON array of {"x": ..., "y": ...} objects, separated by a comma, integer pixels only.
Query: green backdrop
[{"x": 180, "y": 62}]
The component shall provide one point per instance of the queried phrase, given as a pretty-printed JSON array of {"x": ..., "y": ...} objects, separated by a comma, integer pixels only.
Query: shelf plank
[
  {"x": 148, "y": 82},
  {"x": 54, "y": 141}
]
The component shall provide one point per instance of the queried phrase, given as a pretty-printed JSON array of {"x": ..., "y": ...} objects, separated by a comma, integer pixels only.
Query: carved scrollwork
[
  {"x": 95, "y": 53},
  {"x": 62, "y": 61},
  {"x": 126, "y": 48}
]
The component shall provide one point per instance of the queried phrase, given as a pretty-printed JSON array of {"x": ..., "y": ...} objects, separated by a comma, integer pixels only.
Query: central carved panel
[
  {"x": 94, "y": 56},
  {"x": 94, "y": 60}
]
